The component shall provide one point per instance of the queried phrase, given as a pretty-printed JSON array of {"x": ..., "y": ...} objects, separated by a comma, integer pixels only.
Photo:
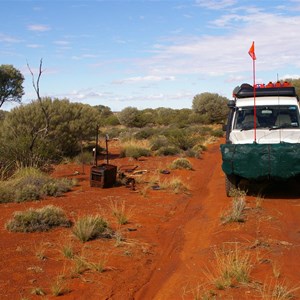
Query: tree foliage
[
  {"x": 212, "y": 107},
  {"x": 69, "y": 125},
  {"x": 11, "y": 80},
  {"x": 296, "y": 84},
  {"x": 131, "y": 117}
]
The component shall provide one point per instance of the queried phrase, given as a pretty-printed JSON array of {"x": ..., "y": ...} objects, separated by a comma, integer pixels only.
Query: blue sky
[{"x": 148, "y": 53}]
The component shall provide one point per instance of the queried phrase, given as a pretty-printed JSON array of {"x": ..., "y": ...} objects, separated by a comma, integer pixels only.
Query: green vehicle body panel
[{"x": 261, "y": 161}]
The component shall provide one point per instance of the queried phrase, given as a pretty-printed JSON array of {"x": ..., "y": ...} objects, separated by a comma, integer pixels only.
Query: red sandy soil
[{"x": 168, "y": 247}]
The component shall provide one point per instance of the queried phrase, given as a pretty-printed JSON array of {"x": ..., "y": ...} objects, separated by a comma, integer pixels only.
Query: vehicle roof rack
[{"x": 246, "y": 91}]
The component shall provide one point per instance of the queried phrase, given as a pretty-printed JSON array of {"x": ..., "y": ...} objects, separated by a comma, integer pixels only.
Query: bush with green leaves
[
  {"x": 145, "y": 133},
  {"x": 168, "y": 151},
  {"x": 218, "y": 133},
  {"x": 134, "y": 151},
  {"x": 43, "y": 132},
  {"x": 84, "y": 158},
  {"x": 32, "y": 184},
  {"x": 42, "y": 219},
  {"x": 211, "y": 106},
  {"x": 158, "y": 142},
  {"x": 90, "y": 227},
  {"x": 181, "y": 138}
]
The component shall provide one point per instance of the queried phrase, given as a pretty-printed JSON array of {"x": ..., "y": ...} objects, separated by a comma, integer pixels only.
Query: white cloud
[
  {"x": 83, "y": 56},
  {"x": 61, "y": 43},
  {"x": 144, "y": 79},
  {"x": 38, "y": 27},
  {"x": 8, "y": 39},
  {"x": 215, "y": 4},
  {"x": 34, "y": 46},
  {"x": 84, "y": 94},
  {"x": 276, "y": 37},
  {"x": 291, "y": 76}
]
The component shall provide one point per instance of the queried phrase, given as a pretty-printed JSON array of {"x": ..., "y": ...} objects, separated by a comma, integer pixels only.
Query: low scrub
[
  {"x": 168, "y": 151},
  {"x": 134, "y": 151},
  {"x": 84, "y": 158},
  {"x": 181, "y": 138},
  {"x": 90, "y": 227},
  {"x": 181, "y": 163},
  {"x": 175, "y": 185},
  {"x": 32, "y": 184},
  {"x": 42, "y": 219}
]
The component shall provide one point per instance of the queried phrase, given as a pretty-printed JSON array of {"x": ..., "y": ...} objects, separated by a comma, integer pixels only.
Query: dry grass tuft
[
  {"x": 120, "y": 212},
  {"x": 236, "y": 213},
  {"x": 90, "y": 227},
  {"x": 175, "y": 185},
  {"x": 231, "y": 267},
  {"x": 278, "y": 291}
]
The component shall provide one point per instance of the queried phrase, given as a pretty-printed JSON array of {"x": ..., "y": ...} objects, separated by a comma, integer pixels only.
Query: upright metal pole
[
  {"x": 106, "y": 146},
  {"x": 254, "y": 96},
  {"x": 96, "y": 147}
]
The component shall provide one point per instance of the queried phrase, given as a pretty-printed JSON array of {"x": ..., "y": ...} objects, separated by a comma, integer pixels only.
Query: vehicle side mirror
[{"x": 231, "y": 103}]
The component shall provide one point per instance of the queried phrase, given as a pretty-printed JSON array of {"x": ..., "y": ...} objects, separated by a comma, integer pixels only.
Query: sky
[{"x": 147, "y": 53}]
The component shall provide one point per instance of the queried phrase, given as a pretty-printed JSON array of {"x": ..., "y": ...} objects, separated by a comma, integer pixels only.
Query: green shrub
[
  {"x": 192, "y": 153},
  {"x": 196, "y": 151},
  {"x": 6, "y": 193},
  {"x": 168, "y": 150},
  {"x": 181, "y": 138},
  {"x": 115, "y": 132},
  {"x": 26, "y": 192},
  {"x": 32, "y": 184},
  {"x": 134, "y": 151},
  {"x": 218, "y": 133},
  {"x": 84, "y": 158},
  {"x": 56, "y": 188},
  {"x": 181, "y": 163},
  {"x": 90, "y": 227},
  {"x": 158, "y": 142},
  {"x": 144, "y": 134},
  {"x": 204, "y": 130},
  {"x": 42, "y": 219}
]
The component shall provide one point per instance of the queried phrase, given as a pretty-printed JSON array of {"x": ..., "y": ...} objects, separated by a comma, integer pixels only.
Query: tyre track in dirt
[
  {"x": 190, "y": 238},
  {"x": 190, "y": 233}
]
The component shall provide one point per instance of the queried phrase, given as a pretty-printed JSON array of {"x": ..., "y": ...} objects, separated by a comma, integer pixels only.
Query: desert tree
[
  {"x": 11, "y": 88},
  {"x": 212, "y": 107},
  {"x": 129, "y": 117}
]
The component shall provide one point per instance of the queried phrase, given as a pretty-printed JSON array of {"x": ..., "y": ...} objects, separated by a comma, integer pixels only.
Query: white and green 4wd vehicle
[{"x": 268, "y": 148}]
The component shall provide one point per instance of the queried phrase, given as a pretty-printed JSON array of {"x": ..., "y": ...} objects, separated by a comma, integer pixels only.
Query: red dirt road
[{"x": 167, "y": 248}]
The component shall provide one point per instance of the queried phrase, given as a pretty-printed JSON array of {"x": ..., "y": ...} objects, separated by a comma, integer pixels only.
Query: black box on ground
[{"x": 104, "y": 175}]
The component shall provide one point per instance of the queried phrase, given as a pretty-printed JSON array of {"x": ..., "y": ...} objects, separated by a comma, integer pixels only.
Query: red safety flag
[{"x": 252, "y": 52}]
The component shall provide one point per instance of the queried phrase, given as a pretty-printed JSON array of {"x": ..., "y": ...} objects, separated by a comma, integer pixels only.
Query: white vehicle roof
[{"x": 242, "y": 102}]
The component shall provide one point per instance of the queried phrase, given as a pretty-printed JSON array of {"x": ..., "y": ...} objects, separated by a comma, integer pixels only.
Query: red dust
[{"x": 166, "y": 250}]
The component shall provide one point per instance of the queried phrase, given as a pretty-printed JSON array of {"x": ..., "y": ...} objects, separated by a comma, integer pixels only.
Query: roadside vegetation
[
  {"x": 42, "y": 219},
  {"x": 48, "y": 131},
  {"x": 90, "y": 227},
  {"x": 28, "y": 184}
]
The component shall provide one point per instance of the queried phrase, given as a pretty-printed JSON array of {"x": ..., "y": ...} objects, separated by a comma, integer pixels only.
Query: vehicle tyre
[{"x": 230, "y": 183}]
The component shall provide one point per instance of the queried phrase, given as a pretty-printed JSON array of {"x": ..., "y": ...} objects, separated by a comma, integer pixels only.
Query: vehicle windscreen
[{"x": 271, "y": 117}]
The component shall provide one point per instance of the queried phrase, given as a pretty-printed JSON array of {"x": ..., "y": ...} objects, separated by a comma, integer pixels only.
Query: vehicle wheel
[{"x": 230, "y": 183}]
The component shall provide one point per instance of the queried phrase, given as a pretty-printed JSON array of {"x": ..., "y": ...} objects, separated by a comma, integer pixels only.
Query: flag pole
[
  {"x": 254, "y": 97},
  {"x": 252, "y": 54}
]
